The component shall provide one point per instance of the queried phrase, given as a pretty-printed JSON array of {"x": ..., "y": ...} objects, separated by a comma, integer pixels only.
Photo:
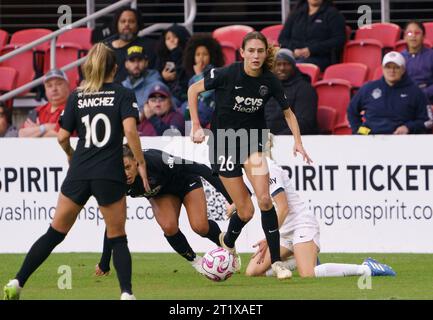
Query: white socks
[
  {"x": 329, "y": 269},
  {"x": 341, "y": 270}
]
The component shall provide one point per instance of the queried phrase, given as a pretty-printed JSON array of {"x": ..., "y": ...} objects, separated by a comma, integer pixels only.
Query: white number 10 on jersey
[{"x": 91, "y": 136}]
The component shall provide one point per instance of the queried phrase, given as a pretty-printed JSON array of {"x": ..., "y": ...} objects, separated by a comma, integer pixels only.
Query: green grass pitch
[{"x": 168, "y": 276}]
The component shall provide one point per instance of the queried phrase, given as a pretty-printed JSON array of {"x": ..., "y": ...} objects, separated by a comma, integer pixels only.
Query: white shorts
[{"x": 300, "y": 235}]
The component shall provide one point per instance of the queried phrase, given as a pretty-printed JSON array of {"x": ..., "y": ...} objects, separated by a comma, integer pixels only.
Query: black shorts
[
  {"x": 228, "y": 157},
  {"x": 105, "y": 191},
  {"x": 181, "y": 187}
]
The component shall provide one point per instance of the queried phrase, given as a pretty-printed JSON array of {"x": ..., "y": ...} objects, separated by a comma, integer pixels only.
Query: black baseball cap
[{"x": 136, "y": 52}]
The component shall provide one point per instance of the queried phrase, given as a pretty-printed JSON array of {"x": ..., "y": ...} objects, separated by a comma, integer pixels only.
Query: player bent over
[{"x": 174, "y": 182}]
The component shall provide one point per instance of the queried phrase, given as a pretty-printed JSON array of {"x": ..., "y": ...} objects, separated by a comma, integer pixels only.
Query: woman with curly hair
[{"x": 201, "y": 54}]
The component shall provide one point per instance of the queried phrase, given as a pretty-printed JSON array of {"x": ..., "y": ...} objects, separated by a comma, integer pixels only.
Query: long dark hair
[
  {"x": 181, "y": 33},
  {"x": 199, "y": 40},
  {"x": 271, "y": 51}
]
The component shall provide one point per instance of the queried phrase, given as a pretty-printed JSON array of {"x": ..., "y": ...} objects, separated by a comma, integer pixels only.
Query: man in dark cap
[
  {"x": 300, "y": 94},
  {"x": 139, "y": 78}
]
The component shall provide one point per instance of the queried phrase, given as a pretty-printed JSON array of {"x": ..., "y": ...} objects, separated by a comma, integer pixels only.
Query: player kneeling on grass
[
  {"x": 300, "y": 236},
  {"x": 173, "y": 182}
]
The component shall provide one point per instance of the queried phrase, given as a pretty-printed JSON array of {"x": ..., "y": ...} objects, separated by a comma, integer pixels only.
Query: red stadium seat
[
  {"x": 80, "y": 36},
  {"x": 387, "y": 33},
  {"x": 355, "y": 73},
  {"x": 30, "y": 61},
  {"x": 326, "y": 119},
  {"x": 368, "y": 52},
  {"x": 4, "y": 37},
  {"x": 335, "y": 93},
  {"x": 401, "y": 45},
  {"x": 28, "y": 35},
  {"x": 233, "y": 34},
  {"x": 272, "y": 32},
  {"x": 65, "y": 54},
  {"x": 428, "y": 31},
  {"x": 378, "y": 73},
  {"x": 229, "y": 52},
  {"x": 8, "y": 81},
  {"x": 311, "y": 69}
]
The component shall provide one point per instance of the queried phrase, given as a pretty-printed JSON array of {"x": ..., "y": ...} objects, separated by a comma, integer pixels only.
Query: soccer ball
[{"x": 218, "y": 264}]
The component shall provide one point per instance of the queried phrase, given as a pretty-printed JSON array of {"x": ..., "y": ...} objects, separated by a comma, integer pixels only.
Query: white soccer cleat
[
  {"x": 281, "y": 271},
  {"x": 12, "y": 290},
  {"x": 232, "y": 251},
  {"x": 290, "y": 263},
  {"x": 196, "y": 264},
  {"x": 127, "y": 296}
]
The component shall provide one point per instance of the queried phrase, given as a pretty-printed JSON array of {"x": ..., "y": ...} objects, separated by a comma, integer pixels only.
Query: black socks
[
  {"x": 179, "y": 243},
  {"x": 40, "y": 251},
  {"x": 234, "y": 230},
  {"x": 272, "y": 233},
  {"x": 122, "y": 262}
]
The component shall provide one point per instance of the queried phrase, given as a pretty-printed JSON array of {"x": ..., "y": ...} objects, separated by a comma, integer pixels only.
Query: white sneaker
[
  {"x": 290, "y": 263},
  {"x": 196, "y": 264},
  {"x": 281, "y": 271},
  {"x": 12, "y": 290},
  {"x": 127, "y": 296},
  {"x": 232, "y": 251}
]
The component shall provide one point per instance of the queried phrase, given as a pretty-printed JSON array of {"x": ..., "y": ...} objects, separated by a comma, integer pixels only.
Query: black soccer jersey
[
  {"x": 240, "y": 98},
  {"x": 98, "y": 117},
  {"x": 166, "y": 175}
]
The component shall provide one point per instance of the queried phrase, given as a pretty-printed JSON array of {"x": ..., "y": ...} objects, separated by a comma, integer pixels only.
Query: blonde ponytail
[
  {"x": 271, "y": 57},
  {"x": 99, "y": 64}
]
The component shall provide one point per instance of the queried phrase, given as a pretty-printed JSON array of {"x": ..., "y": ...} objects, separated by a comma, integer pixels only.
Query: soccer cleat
[
  {"x": 232, "y": 251},
  {"x": 290, "y": 263},
  {"x": 12, "y": 290},
  {"x": 127, "y": 296},
  {"x": 379, "y": 269},
  {"x": 196, "y": 264},
  {"x": 281, "y": 271}
]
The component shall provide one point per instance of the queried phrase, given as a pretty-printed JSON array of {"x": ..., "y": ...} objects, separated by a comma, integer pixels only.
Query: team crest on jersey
[
  {"x": 264, "y": 90},
  {"x": 377, "y": 93}
]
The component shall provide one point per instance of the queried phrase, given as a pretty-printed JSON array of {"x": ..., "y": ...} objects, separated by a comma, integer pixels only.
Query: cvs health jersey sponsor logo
[{"x": 247, "y": 104}]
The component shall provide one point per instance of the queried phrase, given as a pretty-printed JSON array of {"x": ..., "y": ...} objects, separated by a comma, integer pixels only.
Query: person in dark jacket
[
  {"x": 169, "y": 63},
  {"x": 300, "y": 94},
  {"x": 315, "y": 32},
  {"x": 392, "y": 105},
  {"x": 128, "y": 22},
  {"x": 419, "y": 59}
]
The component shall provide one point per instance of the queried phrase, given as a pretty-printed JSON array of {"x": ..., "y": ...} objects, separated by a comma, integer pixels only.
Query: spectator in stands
[
  {"x": 390, "y": 105},
  {"x": 301, "y": 96},
  {"x": 7, "y": 130},
  {"x": 419, "y": 59},
  {"x": 160, "y": 114},
  {"x": 202, "y": 53},
  {"x": 128, "y": 22},
  {"x": 169, "y": 63},
  {"x": 43, "y": 121},
  {"x": 315, "y": 32},
  {"x": 140, "y": 78}
]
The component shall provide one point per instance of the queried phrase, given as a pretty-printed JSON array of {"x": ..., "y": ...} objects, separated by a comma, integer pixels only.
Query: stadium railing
[{"x": 190, "y": 13}]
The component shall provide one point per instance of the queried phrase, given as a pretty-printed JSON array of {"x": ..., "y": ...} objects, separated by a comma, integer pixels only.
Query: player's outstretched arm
[
  {"x": 294, "y": 127},
  {"x": 130, "y": 129},
  {"x": 197, "y": 134},
  {"x": 63, "y": 137}
]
